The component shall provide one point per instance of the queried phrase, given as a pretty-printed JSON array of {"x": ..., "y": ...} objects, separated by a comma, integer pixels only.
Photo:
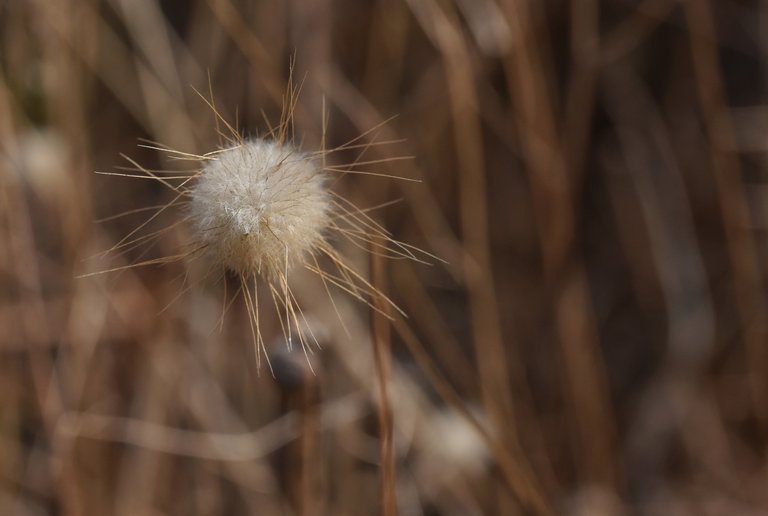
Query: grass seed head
[{"x": 259, "y": 206}]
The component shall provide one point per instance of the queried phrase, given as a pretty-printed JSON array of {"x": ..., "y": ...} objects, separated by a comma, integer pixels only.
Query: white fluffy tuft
[{"x": 259, "y": 206}]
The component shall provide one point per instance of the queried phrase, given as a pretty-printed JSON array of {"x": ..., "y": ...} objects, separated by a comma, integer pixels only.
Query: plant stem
[{"x": 381, "y": 350}]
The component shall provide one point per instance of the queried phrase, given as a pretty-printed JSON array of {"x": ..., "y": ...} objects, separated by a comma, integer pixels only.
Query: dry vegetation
[{"x": 592, "y": 172}]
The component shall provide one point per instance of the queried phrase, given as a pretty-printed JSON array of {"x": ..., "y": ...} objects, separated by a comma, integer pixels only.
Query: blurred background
[{"x": 593, "y": 173}]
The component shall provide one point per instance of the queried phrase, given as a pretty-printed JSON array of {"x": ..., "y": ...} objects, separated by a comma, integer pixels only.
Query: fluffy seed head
[{"x": 259, "y": 206}]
